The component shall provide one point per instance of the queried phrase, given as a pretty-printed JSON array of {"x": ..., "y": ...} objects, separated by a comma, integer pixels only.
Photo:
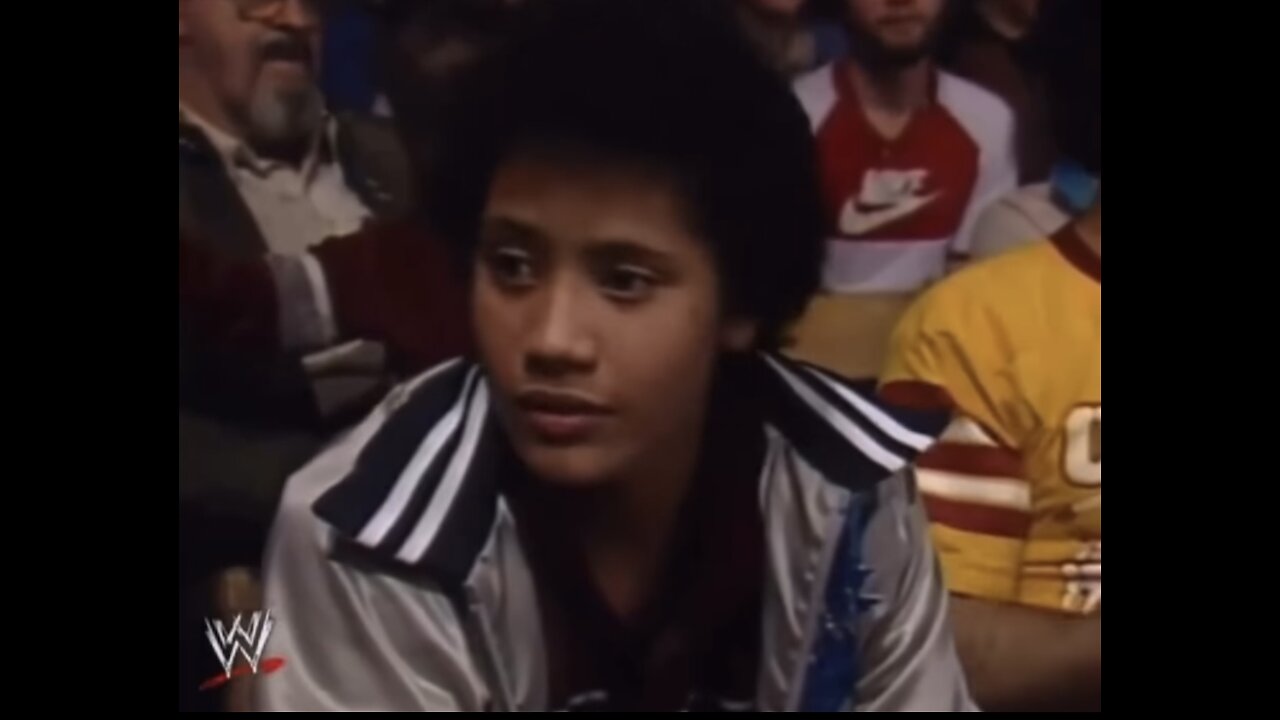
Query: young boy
[{"x": 626, "y": 501}]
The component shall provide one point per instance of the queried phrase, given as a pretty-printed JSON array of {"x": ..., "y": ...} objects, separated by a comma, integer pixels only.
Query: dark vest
[{"x": 246, "y": 422}]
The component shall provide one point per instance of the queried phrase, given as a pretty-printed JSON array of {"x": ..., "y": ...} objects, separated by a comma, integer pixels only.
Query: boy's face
[{"x": 598, "y": 317}]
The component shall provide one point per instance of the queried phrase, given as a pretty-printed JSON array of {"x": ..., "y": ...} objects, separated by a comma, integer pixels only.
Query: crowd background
[{"x": 312, "y": 278}]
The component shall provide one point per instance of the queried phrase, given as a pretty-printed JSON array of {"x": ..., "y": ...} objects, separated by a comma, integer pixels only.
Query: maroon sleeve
[
  {"x": 229, "y": 301},
  {"x": 397, "y": 283}
]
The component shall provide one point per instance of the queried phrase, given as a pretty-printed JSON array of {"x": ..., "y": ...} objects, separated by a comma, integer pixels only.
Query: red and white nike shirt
[{"x": 897, "y": 209}]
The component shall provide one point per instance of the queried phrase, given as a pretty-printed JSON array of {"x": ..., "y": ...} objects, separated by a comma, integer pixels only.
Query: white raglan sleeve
[{"x": 991, "y": 124}]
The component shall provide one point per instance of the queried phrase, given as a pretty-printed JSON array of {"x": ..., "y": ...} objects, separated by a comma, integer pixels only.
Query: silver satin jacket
[{"x": 396, "y": 580}]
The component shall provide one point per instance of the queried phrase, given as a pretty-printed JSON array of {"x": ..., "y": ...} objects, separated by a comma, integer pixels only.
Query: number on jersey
[{"x": 1083, "y": 454}]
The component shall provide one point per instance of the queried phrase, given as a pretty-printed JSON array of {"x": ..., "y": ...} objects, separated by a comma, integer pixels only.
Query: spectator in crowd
[
  {"x": 629, "y": 502},
  {"x": 264, "y": 168},
  {"x": 909, "y": 155},
  {"x": 996, "y": 43},
  {"x": 1072, "y": 77},
  {"x": 392, "y": 282},
  {"x": 1013, "y": 348}
]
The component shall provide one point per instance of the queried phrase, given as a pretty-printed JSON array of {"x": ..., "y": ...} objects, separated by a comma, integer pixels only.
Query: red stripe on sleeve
[
  {"x": 978, "y": 460},
  {"x": 982, "y": 519},
  {"x": 916, "y": 395}
]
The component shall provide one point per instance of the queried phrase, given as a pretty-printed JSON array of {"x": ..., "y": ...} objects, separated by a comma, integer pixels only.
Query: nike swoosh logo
[
  {"x": 866, "y": 207},
  {"x": 858, "y": 218}
]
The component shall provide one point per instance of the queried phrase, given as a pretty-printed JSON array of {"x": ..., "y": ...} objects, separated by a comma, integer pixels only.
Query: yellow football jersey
[{"x": 1014, "y": 487}]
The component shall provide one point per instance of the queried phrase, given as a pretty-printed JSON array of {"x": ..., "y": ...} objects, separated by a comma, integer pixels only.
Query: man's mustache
[{"x": 286, "y": 47}]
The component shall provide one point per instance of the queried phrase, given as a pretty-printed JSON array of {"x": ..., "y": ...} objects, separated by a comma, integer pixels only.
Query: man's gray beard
[{"x": 283, "y": 120}]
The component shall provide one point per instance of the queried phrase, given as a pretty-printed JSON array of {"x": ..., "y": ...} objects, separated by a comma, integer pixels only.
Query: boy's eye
[
  {"x": 511, "y": 266},
  {"x": 628, "y": 282}
]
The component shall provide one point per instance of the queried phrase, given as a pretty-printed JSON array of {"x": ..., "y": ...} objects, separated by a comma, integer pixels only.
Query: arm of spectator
[
  {"x": 397, "y": 284},
  {"x": 1026, "y": 660},
  {"x": 388, "y": 283}
]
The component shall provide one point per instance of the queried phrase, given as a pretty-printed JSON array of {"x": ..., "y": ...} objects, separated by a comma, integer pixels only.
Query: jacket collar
[{"x": 423, "y": 495}]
